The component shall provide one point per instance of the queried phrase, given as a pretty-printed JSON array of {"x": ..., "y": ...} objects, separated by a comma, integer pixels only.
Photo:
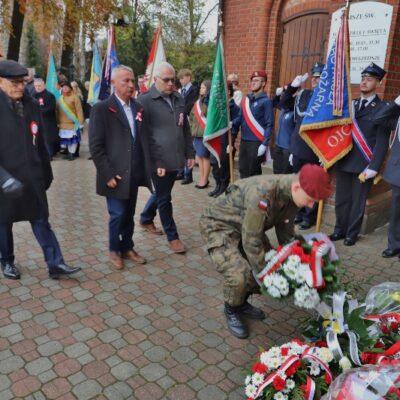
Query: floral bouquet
[
  {"x": 293, "y": 371},
  {"x": 366, "y": 383},
  {"x": 303, "y": 270}
]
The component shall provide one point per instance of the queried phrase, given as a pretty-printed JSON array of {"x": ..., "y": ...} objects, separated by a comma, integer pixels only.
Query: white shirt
[
  {"x": 129, "y": 115},
  {"x": 187, "y": 87},
  {"x": 369, "y": 99}
]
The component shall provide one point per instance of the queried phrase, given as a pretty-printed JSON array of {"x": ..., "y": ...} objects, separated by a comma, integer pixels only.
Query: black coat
[
  {"x": 24, "y": 157},
  {"x": 190, "y": 98},
  {"x": 48, "y": 104},
  {"x": 377, "y": 137},
  {"x": 166, "y": 129},
  {"x": 111, "y": 147},
  {"x": 299, "y": 104},
  {"x": 388, "y": 115}
]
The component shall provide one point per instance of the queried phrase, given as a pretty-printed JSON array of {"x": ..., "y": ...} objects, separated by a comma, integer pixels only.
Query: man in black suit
[
  {"x": 388, "y": 115},
  {"x": 120, "y": 154},
  {"x": 355, "y": 171},
  {"x": 190, "y": 94},
  {"x": 25, "y": 173}
]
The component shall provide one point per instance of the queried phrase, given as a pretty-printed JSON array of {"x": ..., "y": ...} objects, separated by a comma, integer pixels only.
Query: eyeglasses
[
  {"x": 166, "y": 80},
  {"x": 16, "y": 82}
]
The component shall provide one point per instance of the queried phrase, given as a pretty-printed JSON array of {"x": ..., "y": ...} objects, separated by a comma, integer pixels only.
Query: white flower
[
  {"x": 285, "y": 291},
  {"x": 274, "y": 363},
  {"x": 290, "y": 271},
  {"x": 294, "y": 260},
  {"x": 302, "y": 272},
  {"x": 280, "y": 396},
  {"x": 247, "y": 381},
  {"x": 281, "y": 374},
  {"x": 258, "y": 379},
  {"x": 269, "y": 255},
  {"x": 325, "y": 354},
  {"x": 315, "y": 370},
  {"x": 344, "y": 363},
  {"x": 264, "y": 356},
  {"x": 290, "y": 384},
  {"x": 274, "y": 292},
  {"x": 268, "y": 281},
  {"x": 250, "y": 390},
  {"x": 274, "y": 351},
  {"x": 281, "y": 283}
]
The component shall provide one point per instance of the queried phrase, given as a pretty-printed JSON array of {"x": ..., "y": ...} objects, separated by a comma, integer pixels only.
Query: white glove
[
  {"x": 297, "y": 81},
  {"x": 279, "y": 91},
  {"x": 291, "y": 160},
  {"x": 228, "y": 149},
  {"x": 369, "y": 173},
  {"x": 262, "y": 148},
  {"x": 397, "y": 101},
  {"x": 230, "y": 124}
]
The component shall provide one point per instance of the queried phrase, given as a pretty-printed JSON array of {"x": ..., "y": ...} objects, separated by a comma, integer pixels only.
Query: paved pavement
[{"x": 153, "y": 331}]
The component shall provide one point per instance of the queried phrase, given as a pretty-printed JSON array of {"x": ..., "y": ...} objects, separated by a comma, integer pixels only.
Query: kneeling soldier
[{"x": 234, "y": 227}]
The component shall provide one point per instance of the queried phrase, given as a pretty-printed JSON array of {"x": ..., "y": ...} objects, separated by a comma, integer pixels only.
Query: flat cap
[
  {"x": 12, "y": 69},
  {"x": 314, "y": 180},
  {"x": 261, "y": 74},
  {"x": 374, "y": 70},
  {"x": 317, "y": 69}
]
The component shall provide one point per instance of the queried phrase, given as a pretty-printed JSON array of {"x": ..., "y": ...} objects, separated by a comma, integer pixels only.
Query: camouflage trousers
[{"x": 230, "y": 261}]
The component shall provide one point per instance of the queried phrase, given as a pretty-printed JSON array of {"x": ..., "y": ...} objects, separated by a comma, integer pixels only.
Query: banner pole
[
  {"x": 319, "y": 216},
  {"x": 231, "y": 169}
]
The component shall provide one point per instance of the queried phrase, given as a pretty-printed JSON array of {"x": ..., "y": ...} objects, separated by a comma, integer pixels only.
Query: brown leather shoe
[
  {"x": 133, "y": 256},
  {"x": 116, "y": 260},
  {"x": 177, "y": 246},
  {"x": 152, "y": 229}
]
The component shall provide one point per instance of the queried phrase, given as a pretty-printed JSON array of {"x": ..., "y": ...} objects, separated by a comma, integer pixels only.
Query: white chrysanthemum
[
  {"x": 325, "y": 354},
  {"x": 280, "y": 396},
  {"x": 315, "y": 370},
  {"x": 268, "y": 281},
  {"x": 274, "y": 292},
  {"x": 299, "y": 297},
  {"x": 285, "y": 291},
  {"x": 290, "y": 384},
  {"x": 281, "y": 374},
  {"x": 294, "y": 259},
  {"x": 247, "y": 381},
  {"x": 269, "y": 255},
  {"x": 281, "y": 282},
  {"x": 344, "y": 363},
  {"x": 302, "y": 272},
  {"x": 251, "y": 391},
  {"x": 290, "y": 271},
  {"x": 258, "y": 379},
  {"x": 274, "y": 363},
  {"x": 274, "y": 351},
  {"x": 264, "y": 356}
]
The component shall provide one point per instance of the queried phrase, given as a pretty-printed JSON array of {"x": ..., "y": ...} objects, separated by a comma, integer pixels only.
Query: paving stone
[
  {"x": 153, "y": 372},
  {"x": 36, "y": 367},
  {"x": 84, "y": 334},
  {"x": 11, "y": 364},
  {"x": 118, "y": 391},
  {"x": 211, "y": 392},
  {"x": 4, "y": 383},
  {"x": 183, "y": 355},
  {"x": 109, "y": 335},
  {"x": 21, "y": 316},
  {"x": 87, "y": 390},
  {"x": 156, "y": 354},
  {"x": 123, "y": 371},
  {"x": 76, "y": 350},
  {"x": 9, "y": 330}
]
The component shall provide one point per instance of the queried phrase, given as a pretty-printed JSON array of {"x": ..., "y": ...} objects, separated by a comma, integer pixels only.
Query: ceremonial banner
[
  {"x": 95, "y": 77},
  {"x": 156, "y": 56},
  {"x": 217, "y": 112},
  {"x": 327, "y": 123},
  {"x": 110, "y": 62}
]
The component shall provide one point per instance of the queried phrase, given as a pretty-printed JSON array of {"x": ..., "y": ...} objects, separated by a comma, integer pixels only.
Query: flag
[
  {"x": 156, "y": 56},
  {"x": 110, "y": 62},
  {"x": 217, "y": 111},
  {"x": 95, "y": 76},
  {"x": 52, "y": 78},
  {"x": 327, "y": 124}
]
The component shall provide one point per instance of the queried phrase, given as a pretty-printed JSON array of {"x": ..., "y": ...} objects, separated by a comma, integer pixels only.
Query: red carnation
[
  {"x": 293, "y": 368},
  {"x": 379, "y": 344},
  {"x": 369, "y": 358},
  {"x": 304, "y": 389},
  {"x": 259, "y": 367},
  {"x": 394, "y": 326},
  {"x": 385, "y": 330},
  {"x": 327, "y": 378},
  {"x": 321, "y": 343},
  {"x": 284, "y": 351},
  {"x": 279, "y": 383}
]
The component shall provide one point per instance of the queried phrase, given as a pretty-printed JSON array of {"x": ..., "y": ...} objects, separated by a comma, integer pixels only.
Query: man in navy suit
[{"x": 122, "y": 161}]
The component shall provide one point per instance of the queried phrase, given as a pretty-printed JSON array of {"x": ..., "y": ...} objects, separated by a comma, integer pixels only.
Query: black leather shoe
[
  {"x": 388, "y": 253},
  {"x": 179, "y": 177},
  {"x": 235, "y": 323},
  {"x": 62, "y": 269},
  {"x": 305, "y": 225},
  {"x": 10, "y": 271},
  {"x": 220, "y": 191},
  {"x": 186, "y": 181},
  {"x": 349, "y": 241},
  {"x": 212, "y": 193},
  {"x": 336, "y": 236},
  {"x": 297, "y": 220},
  {"x": 249, "y": 311}
]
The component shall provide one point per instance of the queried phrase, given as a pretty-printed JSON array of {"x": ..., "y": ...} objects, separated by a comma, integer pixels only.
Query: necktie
[
  {"x": 183, "y": 92},
  {"x": 363, "y": 104},
  {"x": 19, "y": 108}
]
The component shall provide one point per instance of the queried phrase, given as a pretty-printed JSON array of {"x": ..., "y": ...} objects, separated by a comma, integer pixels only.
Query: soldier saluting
[{"x": 234, "y": 227}]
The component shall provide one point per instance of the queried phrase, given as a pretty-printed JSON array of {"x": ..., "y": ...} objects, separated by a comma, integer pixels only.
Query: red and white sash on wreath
[
  {"x": 359, "y": 138},
  {"x": 201, "y": 119},
  {"x": 252, "y": 123}
]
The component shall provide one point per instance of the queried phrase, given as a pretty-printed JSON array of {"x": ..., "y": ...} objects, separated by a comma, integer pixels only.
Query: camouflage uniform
[{"x": 234, "y": 227}]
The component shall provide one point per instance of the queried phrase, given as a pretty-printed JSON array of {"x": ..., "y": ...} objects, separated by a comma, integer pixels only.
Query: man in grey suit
[
  {"x": 120, "y": 154},
  {"x": 165, "y": 125}
]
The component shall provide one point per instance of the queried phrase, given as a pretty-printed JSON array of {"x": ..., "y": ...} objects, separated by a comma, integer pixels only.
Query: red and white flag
[{"x": 157, "y": 56}]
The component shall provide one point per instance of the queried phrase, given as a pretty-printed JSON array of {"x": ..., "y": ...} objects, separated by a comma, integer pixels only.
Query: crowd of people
[{"x": 154, "y": 137}]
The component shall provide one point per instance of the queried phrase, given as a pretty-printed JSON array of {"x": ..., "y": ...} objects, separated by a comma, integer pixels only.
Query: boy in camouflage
[{"x": 234, "y": 227}]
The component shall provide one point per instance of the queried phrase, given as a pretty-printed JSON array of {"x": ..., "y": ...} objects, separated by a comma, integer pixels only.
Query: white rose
[
  {"x": 344, "y": 363},
  {"x": 325, "y": 354}
]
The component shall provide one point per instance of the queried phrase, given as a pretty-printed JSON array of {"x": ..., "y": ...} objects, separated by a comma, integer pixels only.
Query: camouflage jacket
[{"x": 248, "y": 209}]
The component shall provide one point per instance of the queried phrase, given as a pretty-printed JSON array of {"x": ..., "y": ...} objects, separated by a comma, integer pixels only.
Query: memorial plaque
[{"x": 369, "y": 26}]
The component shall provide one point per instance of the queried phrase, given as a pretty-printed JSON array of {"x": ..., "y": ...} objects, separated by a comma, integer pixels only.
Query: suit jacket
[
  {"x": 388, "y": 115},
  {"x": 47, "y": 103},
  {"x": 166, "y": 129},
  {"x": 377, "y": 137},
  {"x": 190, "y": 98},
  {"x": 112, "y": 148},
  {"x": 23, "y": 156}
]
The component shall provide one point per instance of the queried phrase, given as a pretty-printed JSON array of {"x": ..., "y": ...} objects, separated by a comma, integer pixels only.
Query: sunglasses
[{"x": 166, "y": 80}]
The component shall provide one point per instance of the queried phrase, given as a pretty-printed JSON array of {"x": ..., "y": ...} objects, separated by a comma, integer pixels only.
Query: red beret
[
  {"x": 261, "y": 74},
  {"x": 314, "y": 180}
]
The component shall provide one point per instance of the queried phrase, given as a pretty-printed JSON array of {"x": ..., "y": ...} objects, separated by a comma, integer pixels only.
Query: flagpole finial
[{"x": 347, "y": 3}]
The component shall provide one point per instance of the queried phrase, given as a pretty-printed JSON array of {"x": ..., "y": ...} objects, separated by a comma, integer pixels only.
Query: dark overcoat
[
  {"x": 23, "y": 156},
  {"x": 110, "y": 141},
  {"x": 47, "y": 103}
]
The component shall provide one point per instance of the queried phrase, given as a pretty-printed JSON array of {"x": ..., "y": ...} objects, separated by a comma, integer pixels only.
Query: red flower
[
  {"x": 327, "y": 378},
  {"x": 259, "y": 367},
  {"x": 379, "y": 344},
  {"x": 278, "y": 383},
  {"x": 293, "y": 368},
  {"x": 321, "y": 343},
  {"x": 394, "y": 326},
  {"x": 369, "y": 358},
  {"x": 304, "y": 389},
  {"x": 385, "y": 329},
  {"x": 112, "y": 109},
  {"x": 284, "y": 351},
  {"x": 298, "y": 341}
]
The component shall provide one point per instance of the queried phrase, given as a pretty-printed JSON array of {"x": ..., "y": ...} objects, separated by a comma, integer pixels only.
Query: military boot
[
  {"x": 249, "y": 311},
  {"x": 235, "y": 323},
  {"x": 213, "y": 192},
  {"x": 221, "y": 190}
]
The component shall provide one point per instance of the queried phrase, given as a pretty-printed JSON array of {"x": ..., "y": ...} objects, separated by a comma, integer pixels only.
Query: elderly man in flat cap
[
  {"x": 25, "y": 173},
  {"x": 234, "y": 227}
]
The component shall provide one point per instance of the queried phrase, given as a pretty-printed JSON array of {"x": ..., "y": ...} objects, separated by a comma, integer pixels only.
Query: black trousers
[
  {"x": 222, "y": 174},
  {"x": 249, "y": 163},
  {"x": 306, "y": 214},
  {"x": 280, "y": 157},
  {"x": 394, "y": 222},
  {"x": 351, "y": 197}
]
